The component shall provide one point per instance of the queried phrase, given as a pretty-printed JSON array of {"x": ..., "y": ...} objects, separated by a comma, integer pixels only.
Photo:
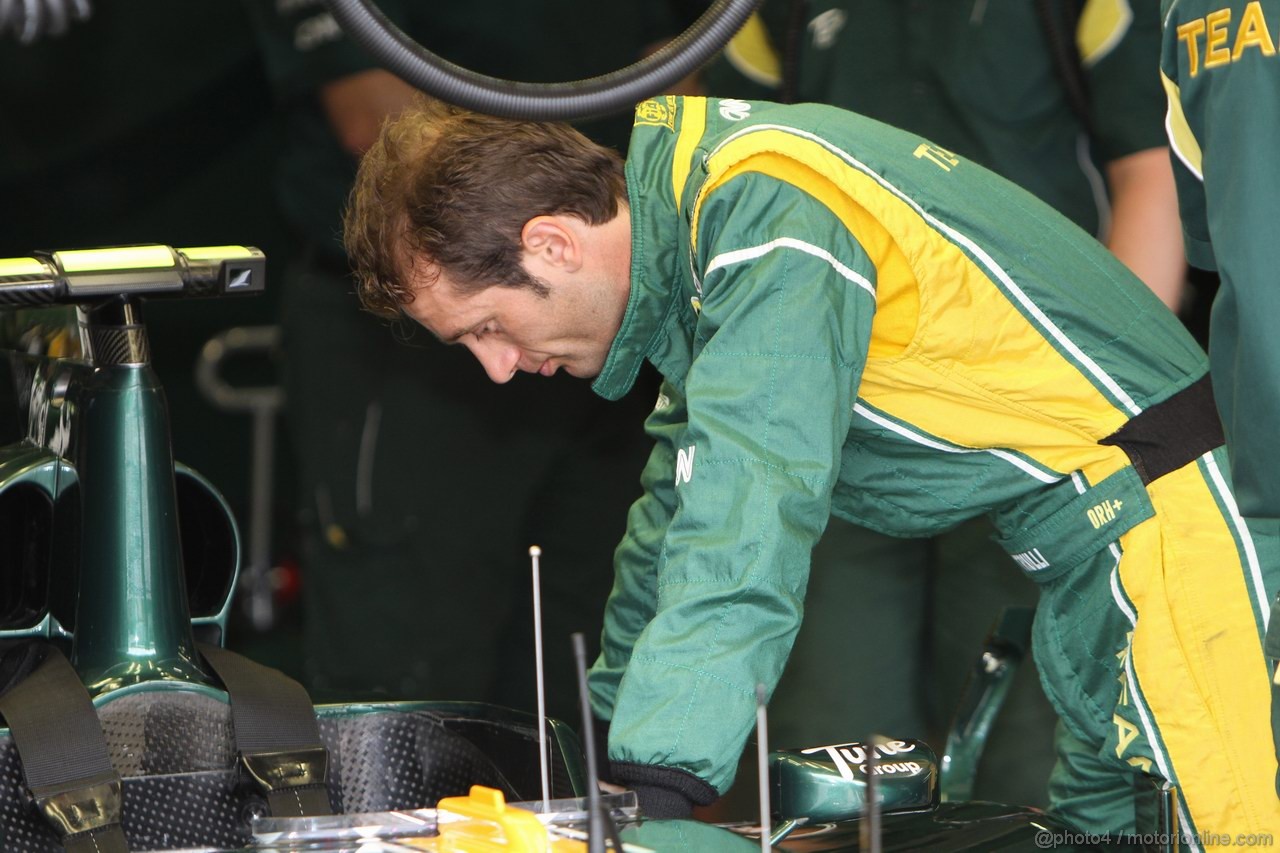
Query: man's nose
[{"x": 499, "y": 360}]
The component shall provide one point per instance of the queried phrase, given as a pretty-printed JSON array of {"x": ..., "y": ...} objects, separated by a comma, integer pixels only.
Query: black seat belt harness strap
[
  {"x": 64, "y": 752},
  {"x": 276, "y": 734}
]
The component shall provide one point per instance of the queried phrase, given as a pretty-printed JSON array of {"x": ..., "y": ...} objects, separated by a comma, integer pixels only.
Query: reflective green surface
[
  {"x": 989, "y": 683},
  {"x": 93, "y": 551},
  {"x": 131, "y": 617},
  {"x": 31, "y": 480},
  {"x": 831, "y": 782}
]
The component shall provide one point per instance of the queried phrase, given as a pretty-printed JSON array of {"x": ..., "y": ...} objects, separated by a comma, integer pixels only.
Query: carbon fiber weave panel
[{"x": 176, "y": 754}]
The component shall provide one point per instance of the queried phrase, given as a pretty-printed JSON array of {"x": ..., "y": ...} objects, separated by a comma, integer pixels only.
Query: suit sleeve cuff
[{"x": 663, "y": 792}]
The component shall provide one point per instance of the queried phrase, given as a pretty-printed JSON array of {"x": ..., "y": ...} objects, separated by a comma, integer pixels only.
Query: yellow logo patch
[
  {"x": 941, "y": 157},
  {"x": 660, "y": 112}
]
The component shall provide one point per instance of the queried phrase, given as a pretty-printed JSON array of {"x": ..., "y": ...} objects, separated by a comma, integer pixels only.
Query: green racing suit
[{"x": 853, "y": 321}]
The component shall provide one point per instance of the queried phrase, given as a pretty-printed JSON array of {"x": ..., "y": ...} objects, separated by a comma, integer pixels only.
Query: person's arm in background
[
  {"x": 1120, "y": 56},
  {"x": 357, "y": 105},
  {"x": 1145, "y": 232}
]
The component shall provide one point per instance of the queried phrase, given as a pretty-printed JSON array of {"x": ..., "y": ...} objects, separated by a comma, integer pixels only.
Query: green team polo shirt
[
  {"x": 978, "y": 78},
  {"x": 1221, "y": 67},
  {"x": 548, "y": 41}
]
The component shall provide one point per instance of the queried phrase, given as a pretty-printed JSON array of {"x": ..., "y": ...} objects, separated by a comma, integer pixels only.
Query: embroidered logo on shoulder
[
  {"x": 732, "y": 109},
  {"x": 941, "y": 157},
  {"x": 826, "y": 27},
  {"x": 657, "y": 111}
]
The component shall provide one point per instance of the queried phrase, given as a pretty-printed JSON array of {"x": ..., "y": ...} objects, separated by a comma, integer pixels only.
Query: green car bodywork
[{"x": 109, "y": 549}]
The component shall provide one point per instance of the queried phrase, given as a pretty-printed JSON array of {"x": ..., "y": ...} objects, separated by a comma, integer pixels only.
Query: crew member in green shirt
[{"x": 1222, "y": 74}]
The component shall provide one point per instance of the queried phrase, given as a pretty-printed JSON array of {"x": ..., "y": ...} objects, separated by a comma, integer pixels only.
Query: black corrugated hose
[{"x": 578, "y": 99}]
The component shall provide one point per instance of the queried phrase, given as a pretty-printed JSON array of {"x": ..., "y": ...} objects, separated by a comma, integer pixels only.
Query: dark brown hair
[{"x": 455, "y": 188}]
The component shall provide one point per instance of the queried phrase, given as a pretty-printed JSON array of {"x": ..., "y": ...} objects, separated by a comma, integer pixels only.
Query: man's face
[
  {"x": 513, "y": 328},
  {"x": 586, "y": 270}
]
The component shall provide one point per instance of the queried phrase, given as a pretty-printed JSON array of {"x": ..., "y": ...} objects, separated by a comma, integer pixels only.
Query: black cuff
[
  {"x": 662, "y": 804},
  {"x": 664, "y": 792}
]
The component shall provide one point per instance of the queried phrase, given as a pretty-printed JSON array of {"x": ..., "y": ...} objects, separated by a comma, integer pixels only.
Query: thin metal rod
[
  {"x": 261, "y": 604},
  {"x": 786, "y": 828},
  {"x": 869, "y": 829},
  {"x": 762, "y": 768},
  {"x": 595, "y": 818},
  {"x": 534, "y": 553}
]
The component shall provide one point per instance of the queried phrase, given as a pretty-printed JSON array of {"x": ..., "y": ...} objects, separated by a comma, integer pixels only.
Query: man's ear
[{"x": 552, "y": 240}]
